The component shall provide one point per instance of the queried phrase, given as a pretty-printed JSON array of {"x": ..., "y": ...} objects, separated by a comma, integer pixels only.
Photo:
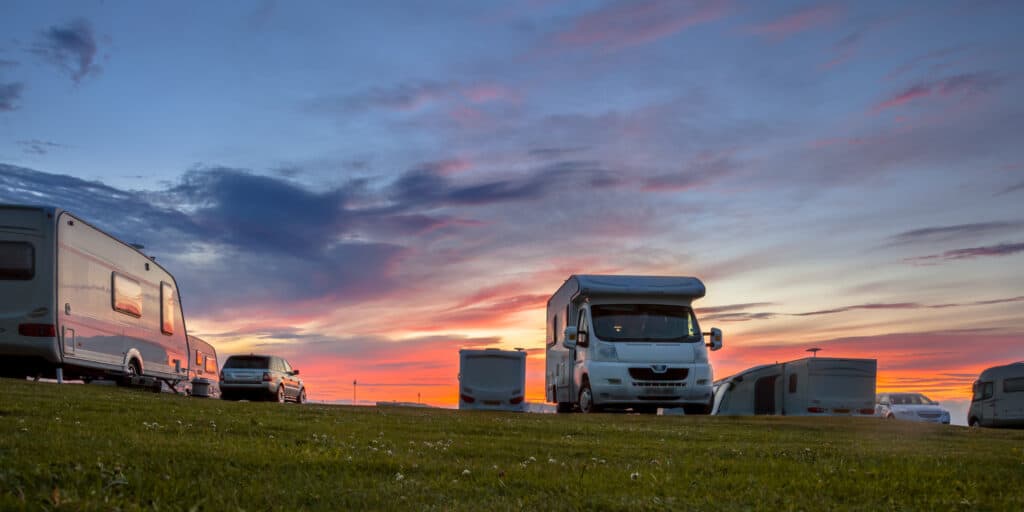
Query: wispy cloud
[
  {"x": 965, "y": 84},
  {"x": 71, "y": 47},
  {"x": 1005, "y": 249},
  {"x": 799, "y": 21},
  {"x": 39, "y": 147},
  {"x": 952, "y": 233},
  {"x": 705, "y": 169},
  {"x": 10, "y": 93},
  {"x": 1011, "y": 189},
  {"x": 625, "y": 24}
]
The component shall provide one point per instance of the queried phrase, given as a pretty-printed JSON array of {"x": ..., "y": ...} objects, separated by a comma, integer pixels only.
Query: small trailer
[
  {"x": 998, "y": 399},
  {"x": 813, "y": 386},
  {"x": 492, "y": 379},
  {"x": 204, "y": 379},
  {"x": 76, "y": 302}
]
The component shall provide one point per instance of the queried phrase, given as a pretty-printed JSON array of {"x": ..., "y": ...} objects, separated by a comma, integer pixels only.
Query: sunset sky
[{"x": 366, "y": 187}]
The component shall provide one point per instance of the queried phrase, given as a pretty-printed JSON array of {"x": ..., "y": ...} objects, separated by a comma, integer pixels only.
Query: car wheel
[
  {"x": 587, "y": 399},
  {"x": 280, "y": 395},
  {"x": 301, "y": 397}
]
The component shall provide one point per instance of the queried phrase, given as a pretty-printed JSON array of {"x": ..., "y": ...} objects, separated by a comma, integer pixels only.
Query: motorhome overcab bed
[
  {"x": 76, "y": 302},
  {"x": 627, "y": 342},
  {"x": 998, "y": 399},
  {"x": 813, "y": 386},
  {"x": 492, "y": 379}
]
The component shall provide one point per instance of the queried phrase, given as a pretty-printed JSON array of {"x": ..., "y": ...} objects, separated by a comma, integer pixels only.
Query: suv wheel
[
  {"x": 279, "y": 398},
  {"x": 301, "y": 397}
]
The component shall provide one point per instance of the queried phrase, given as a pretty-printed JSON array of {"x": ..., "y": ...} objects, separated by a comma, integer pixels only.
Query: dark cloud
[
  {"x": 555, "y": 153},
  {"x": 38, "y": 147},
  {"x": 426, "y": 186},
  {"x": 741, "y": 316},
  {"x": 1004, "y": 249},
  {"x": 403, "y": 97},
  {"x": 8, "y": 63},
  {"x": 728, "y": 308},
  {"x": 71, "y": 47},
  {"x": 1011, "y": 189},
  {"x": 952, "y": 233},
  {"x": 896, "y": 305},
  {"x": 10, "y": 93},
  {"x": 701, "y": 172}
]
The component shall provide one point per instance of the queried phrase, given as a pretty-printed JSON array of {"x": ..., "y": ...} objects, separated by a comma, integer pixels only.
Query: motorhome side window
[
  {"x": 17, "y": 261},
  {"x": 1013, "y": 385},
  {"x": 554, "y": 330},
  {"x": 126, "y": 295},
  {"x": 166, "y": 308}
]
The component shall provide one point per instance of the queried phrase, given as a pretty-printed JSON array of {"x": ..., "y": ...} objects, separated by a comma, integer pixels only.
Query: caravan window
[
  {"x": 167, "y": 307},
  {"x": 126, "y": 295},
  {"x": 211, "y": 364},
  {"x": 1013, "y": 385},
  {"x": 17, "y": 261}
]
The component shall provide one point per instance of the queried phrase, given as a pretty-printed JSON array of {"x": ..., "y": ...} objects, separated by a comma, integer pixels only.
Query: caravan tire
[
  {"x": 134, "y": 369},
  {"x": 587, "y": 399}
]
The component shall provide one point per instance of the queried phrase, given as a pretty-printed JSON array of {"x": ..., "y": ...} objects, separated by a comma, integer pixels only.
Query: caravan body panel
[{"x": 492, "y": 379}]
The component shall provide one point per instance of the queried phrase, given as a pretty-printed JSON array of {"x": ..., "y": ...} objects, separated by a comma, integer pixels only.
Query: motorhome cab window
[
  {"x": 644, "y": 322},
  {"x": 127, "y": 295},
  {"x": 554, "y": 330},
  {"x": 982, "y": 390},
  {"x": 167, "y": 309},
  {"x": 17, "y": 261},
  {"x": 1013, "y": 385}
]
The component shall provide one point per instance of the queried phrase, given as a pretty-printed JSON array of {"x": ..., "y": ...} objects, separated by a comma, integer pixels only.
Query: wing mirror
[
  {"x": 714, "y": 338},
  {"x": 570, "y": 337},
  {"x": 295, "y": 372}
]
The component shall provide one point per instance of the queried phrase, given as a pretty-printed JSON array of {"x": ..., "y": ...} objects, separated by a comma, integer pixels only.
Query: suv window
[
  {"x": 248, "y": 362},
  {"x": 286, "y": 367}
]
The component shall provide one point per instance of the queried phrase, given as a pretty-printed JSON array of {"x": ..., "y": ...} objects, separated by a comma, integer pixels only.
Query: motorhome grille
[{"x": 649, "y": 374}]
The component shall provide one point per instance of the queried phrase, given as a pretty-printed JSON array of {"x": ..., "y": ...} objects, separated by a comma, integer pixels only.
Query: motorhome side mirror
[
  {"x": 714, "y": 338},
  {"x": 570, "y": 337}
]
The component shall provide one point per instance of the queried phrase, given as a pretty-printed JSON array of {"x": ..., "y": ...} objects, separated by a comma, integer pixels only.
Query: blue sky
[{"x": 352, "y": 182}]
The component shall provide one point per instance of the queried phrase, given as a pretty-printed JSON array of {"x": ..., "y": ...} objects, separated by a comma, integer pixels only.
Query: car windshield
[
  {"x": 910, "y": 399},
  {"x": 248, "y": 362},
  {"x": 644, "y": 322}
]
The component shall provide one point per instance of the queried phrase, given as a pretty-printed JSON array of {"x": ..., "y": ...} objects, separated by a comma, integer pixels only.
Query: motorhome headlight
[{"x": 607, "y": 352}]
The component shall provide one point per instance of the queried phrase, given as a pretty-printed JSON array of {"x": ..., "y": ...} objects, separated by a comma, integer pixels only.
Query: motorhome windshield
[
  {"x": 644, "y": 322},
  {"x": 17, "y": 261}
]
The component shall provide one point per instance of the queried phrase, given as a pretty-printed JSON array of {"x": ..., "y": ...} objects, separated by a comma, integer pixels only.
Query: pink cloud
[
  {"x": 631, "y": 23},
  {"x": 962, "y": 85},
  {"x": 484, "y": 93},
  {"x": 799, "y": 21}
]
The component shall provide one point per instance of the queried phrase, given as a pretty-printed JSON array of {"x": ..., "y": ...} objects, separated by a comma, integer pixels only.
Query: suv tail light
[
  {"x": 816, "y": 409},
  {"x": 516, "y": 400},
  {"x": 267, "y": 377},
  {"x": 466, "y": 398},
  {"x": 866, "y": 411},
  {"x": 37, "y": 330}
]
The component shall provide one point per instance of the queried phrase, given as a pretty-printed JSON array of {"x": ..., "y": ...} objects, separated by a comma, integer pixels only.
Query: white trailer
[
  {"x": 203, "y": 370},
  {"x": 998, "y": 399},
  {"x": 813, "y": 386},
  {"x": 76, "y": 302},
  {"x": 492, "y": 379},
  {"x": 627, "y": 342}
]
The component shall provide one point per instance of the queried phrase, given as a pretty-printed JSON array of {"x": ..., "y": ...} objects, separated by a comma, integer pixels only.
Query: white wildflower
[
  {"x": 634, "y": 476},
  {"x": 465, "y": 472},
  {"x": 399, "y": 477}
]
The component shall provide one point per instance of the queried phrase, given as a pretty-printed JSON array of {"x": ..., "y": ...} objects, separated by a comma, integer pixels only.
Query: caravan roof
[{"x": 640, "y": 285}]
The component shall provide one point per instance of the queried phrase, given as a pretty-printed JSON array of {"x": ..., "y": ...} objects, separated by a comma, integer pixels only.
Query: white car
[{"x": 910, "y": 407}]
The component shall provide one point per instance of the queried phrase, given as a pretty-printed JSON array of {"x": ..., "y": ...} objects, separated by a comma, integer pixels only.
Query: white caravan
[
  {"x": 76, "y": 302},
  {"x": 627, "y": 342},
  {"x": 998, "y": 399},
  {"x": 204, "y": 379},
  {"x": 813, "y": 386},
  {"x": 492, "y": 379}
]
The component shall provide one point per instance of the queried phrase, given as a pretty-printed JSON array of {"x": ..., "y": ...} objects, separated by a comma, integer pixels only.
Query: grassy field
[{"x": 76, "y": 447}]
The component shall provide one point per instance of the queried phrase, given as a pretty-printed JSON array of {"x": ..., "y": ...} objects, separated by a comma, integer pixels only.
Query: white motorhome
[
  {"x": 998, "y": 399},
  {"x": 813, "y": 386},
  {"x": 627, "y": 342},
  {"x": 76, "y": 302},
  {"x": 492, "y": 379}
]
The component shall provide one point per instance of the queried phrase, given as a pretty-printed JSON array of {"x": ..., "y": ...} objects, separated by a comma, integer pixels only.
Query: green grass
[{"x": 103, "y": 448}]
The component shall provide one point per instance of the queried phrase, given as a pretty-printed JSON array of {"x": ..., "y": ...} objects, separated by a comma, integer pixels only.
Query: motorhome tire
[
  {"x": 973, "y": 422},
  {"x": 587, "y": 399}
]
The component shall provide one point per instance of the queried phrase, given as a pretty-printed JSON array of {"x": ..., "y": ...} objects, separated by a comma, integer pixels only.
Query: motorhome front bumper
[{"x": 637, "y": 384}]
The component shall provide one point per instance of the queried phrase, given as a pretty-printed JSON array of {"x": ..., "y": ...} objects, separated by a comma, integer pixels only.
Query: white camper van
[
  {"x": 76, "y": 302},
  {"x": 627, "y": 342},
  {"x": 492, "y": 379},
  {"x": 813, "y": 386},
  {"x": 998, "y": 399}
]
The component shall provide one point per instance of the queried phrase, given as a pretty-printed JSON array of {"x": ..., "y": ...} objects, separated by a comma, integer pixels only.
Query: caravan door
[{"x": 764, "y": 395}]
